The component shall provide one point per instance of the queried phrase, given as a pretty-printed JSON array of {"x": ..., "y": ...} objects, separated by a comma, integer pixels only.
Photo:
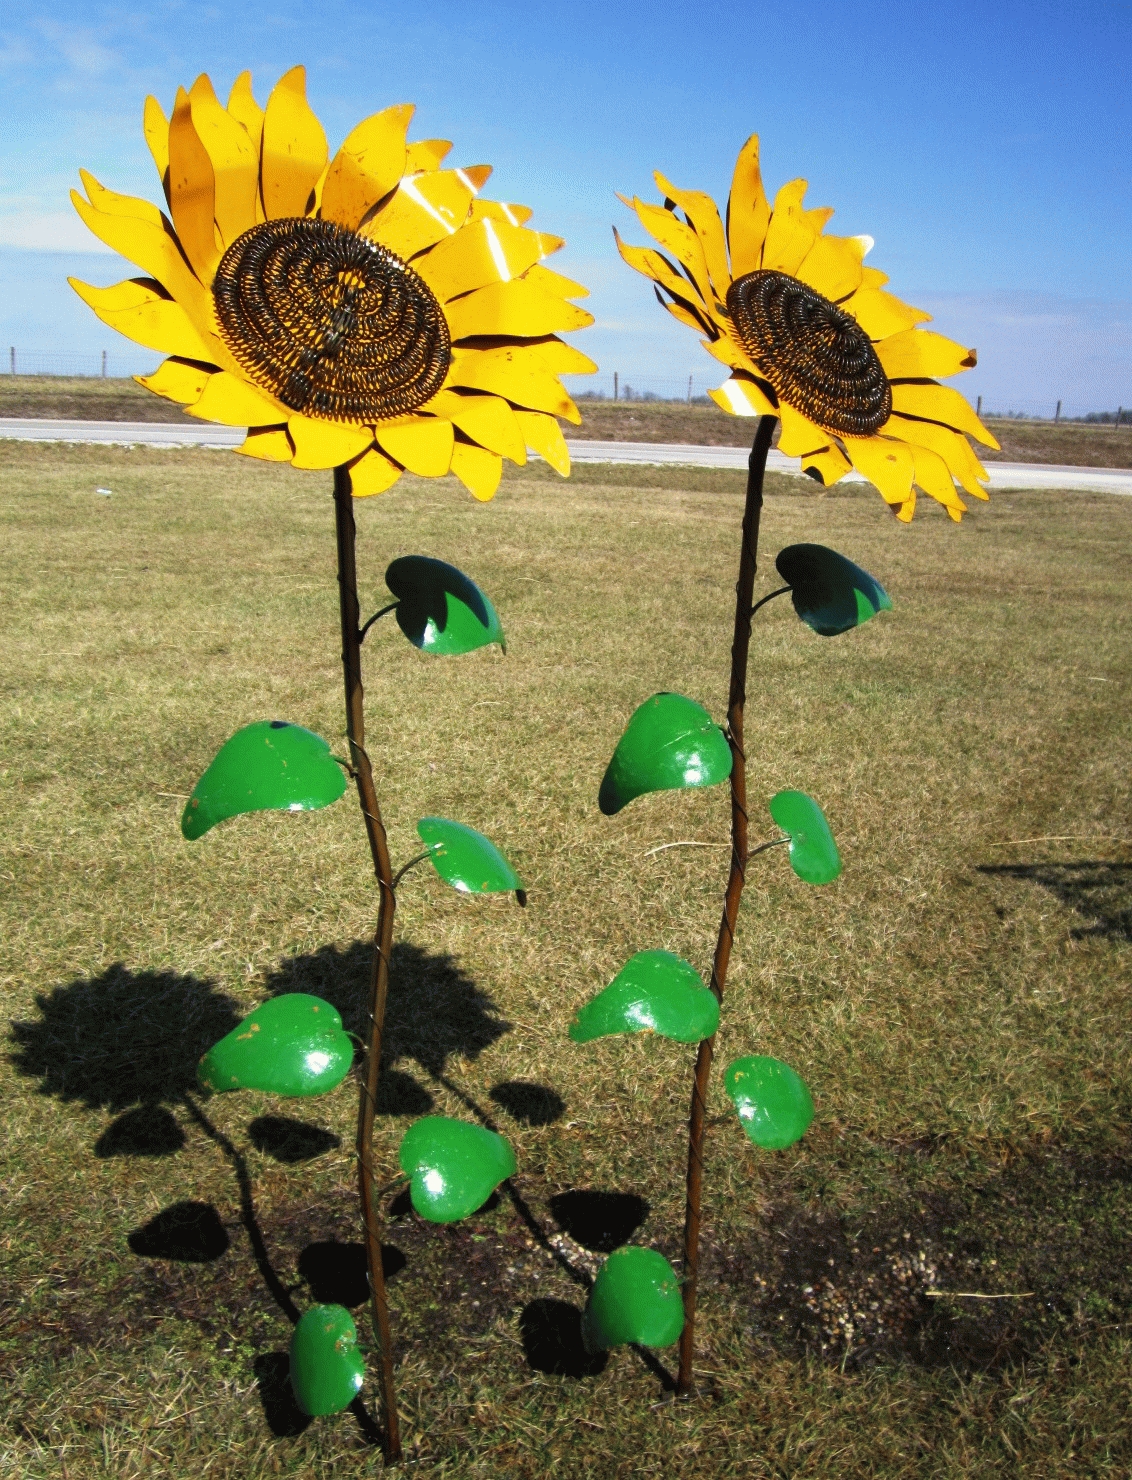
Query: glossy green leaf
[
  {"x": 290, "y": 1045},
  {"x": 327, "y": 1369},
  {"x": 656, "y": 992},
  {"x": 830, "y": 593},
  {"x": 669, "y": 743},
  {"x": 813, "y": 853},
  {"x": 439, "y": 609},
  {"x": 454, "y": 1166},
  {"x": 773, "y": 1102},
  {"x": 635, "y": 1298},
  {"x": 268, "y": 765},
  {"x": 466, "y": 859}
]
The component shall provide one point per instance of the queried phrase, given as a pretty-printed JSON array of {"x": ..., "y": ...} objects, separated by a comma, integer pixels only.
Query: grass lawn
[
  {"x": 958, "y": 1001},
  {"x": 1072, "y": 444}
]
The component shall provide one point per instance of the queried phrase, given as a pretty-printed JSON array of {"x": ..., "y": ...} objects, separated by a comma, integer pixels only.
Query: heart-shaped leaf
[
  {"x": 773, "y": 1102},
  {"x": 439, "y": 609},
  {"x": 290, "y": 1045},
  {"x": 466, "y": 859},
  {"x": 268, "y": 765},
  {"x": 454, "y": 1166},
  {"x": 813, "y": 853},
  {"x": 669, "y": 743},
  {"x": 656, "y": 992},
  {"x": 830, "y": 593},
  {"x": 327, "y": 1369},
  {"x": 635, "y": 1298}
]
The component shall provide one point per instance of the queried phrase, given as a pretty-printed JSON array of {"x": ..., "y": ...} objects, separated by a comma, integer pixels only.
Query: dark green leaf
[
  {"x": 454, "y": 1166},
  {"x": 439, "y": 609},
  {"x": 327, "y": 1370},
  {"x": 635, "y": 1298},
  {"x": 466, "y": 859},
  {"x": 829, "y": 592},
  {"x": 813, "y": 853}
]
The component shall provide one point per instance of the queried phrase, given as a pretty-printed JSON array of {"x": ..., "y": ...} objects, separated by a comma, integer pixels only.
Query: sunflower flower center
[
  {"x": 333, "y": 325},
  {"x": 818, "y": 359}
]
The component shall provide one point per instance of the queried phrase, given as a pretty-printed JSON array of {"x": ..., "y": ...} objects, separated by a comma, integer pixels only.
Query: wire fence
[{"x": 691, "y": 390}]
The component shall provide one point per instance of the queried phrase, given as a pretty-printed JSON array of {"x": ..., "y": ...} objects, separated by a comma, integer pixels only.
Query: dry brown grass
[{"x": 958, "y": 1000}]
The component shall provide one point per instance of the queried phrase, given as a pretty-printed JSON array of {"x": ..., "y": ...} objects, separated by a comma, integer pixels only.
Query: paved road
[{"x": 181, "y": 434}]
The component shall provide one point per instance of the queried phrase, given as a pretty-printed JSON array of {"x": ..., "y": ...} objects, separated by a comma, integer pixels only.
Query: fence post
[
  {"x": 1057, "y": 413},
  {"x": 104, "y": 364},
  {"x": 689, "y": 390},
  {"x": 979, "y": 407},
  {"x": 12, "y": 359},
  {"x": 1119, "y": 414},
  {"x": 615, "y": 385}
]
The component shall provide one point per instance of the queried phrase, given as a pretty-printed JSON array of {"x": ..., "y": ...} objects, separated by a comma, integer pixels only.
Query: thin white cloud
[{"x": 48, "y": 231}]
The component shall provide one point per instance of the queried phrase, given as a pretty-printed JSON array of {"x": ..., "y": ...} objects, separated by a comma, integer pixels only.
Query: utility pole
[{"x": 1057, "y": 413}]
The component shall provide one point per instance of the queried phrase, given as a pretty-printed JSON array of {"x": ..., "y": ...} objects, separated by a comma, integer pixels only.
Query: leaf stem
[
  {"x": 392, "y": 605},
  {"x": 382, "y": 944},
  {"x": 744, "y": 588}
]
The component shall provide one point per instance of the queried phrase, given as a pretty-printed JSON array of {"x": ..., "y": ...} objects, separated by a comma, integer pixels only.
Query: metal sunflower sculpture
[
  {"x": 811, "y": 336},
  {"x": 366, "y": 311},
  {"x": 816, "y": 345},
  {"x": 370, "y": 314}
]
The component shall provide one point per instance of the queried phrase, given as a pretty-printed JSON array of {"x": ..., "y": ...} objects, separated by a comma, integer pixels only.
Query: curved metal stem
[
  {"x": 736, "y": 703},
  {"x": 782, "y": 590},
  {"x": 392, "y": 605},
  {"x": 382, "y": 945},
  {"x": 412, "y": 863}
]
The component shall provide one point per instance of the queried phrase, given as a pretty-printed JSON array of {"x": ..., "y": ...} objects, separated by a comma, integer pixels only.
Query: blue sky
[{"x": 984, "y": 147}]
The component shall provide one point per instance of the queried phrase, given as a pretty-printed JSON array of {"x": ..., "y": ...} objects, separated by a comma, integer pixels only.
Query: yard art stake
[
  {"x": 367, "y": 313},
  {"x": 814, "y": 342}
]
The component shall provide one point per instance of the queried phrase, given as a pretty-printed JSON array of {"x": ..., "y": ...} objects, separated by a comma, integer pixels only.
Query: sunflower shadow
[{"x": 1099, "y": 890}]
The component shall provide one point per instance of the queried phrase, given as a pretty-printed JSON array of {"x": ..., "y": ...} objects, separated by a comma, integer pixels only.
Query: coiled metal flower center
[
  {"x": 333, "y": 325},
  {"x": 818, "y": 359}
]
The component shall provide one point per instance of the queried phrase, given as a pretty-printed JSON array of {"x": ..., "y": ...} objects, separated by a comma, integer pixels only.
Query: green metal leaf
[
  {"x": 830, "y": 593},
  {"x": 439, "y": 609},
  {"x": 268, "y": 765},
  {"x": 466, "y": 859},
  {"x": 290, "y": 1045},
  {"x": 655, "y": 992},
  {"x": 327, "y": 1370},
  {"x": 773, "y": 1102},
  {"x": 669, "y": 743},
  {"x": 813, "y": 853},
  {"x": 635, "y": 1298},
  {"x": 454, "y": 1166}
]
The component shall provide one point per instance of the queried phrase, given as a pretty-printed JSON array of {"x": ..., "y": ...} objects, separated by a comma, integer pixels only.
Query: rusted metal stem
[
  {"x": 382, "y": 945},
  {"x": 739, "y": 853}
]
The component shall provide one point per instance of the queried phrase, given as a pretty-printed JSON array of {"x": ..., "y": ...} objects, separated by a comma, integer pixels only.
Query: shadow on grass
[
  {"x": 283, "y": 1416},
  {"x": 1099, "y": 890},
  {"x": 187, "y": 1231},
  {"x": 336, "y": 1274},
  {"x": 290, "y": 1141},
  {"x": 529, "y": 1104},
  {"x": 600, "y": 1221},
  {"x": 551, "y": 1332}
]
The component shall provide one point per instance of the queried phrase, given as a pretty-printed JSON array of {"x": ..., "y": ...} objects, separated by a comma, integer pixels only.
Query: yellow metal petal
[
  {"x": 479, "y": 253},
  {"x": 748, "y": 212},
  {"x": 372, "y": 473},
  {"x": 799, "y": 436},
  {"x": 887, "y": 465},
  {"x": 519, "y": 308},
  {"x": 325, "y": 444},
  {"x": 131, "y": 207},
  {"x": 156, "y": 128},
  {"x": 515, "y": 377},
  {"x": 478, "y": 470},
  {"x": 177, "y": 380},
  {"x": 922, "y": 354},
  {"x": 553, "y": 282},
  {"x": 731, "y": 353},
  {"x": 742, "y": 397},
  {"x": 422, "y": 444},
  {"x": 425, "y": 209},
  {"x": 940, "y": 403},
  {"x": 558, "y": 356},
  {"x": 828, "y": 463},
  {"x": 269, "y": 444},
  {"x": 791, "y": 233},
  {"x": 953, "y": 447},
  {"x": 543, "y": 435},
  {"x": 680, "y": 240},
  {"x": 235, "y": 402},
  {"x": 653, "y": 265},
  {"x": 701, "y": 211},
  {"x": 833, "y": 266},
  {"x": 881, "y": 314},
  {"x": 140, "y": 309},
  {"x": 369, "y": 164},
  {"x": 244, "y": 108},
  {"x": 488, "y": 420},
  {"x": 426, "y": 154},
  {"x": 235, "y": 161},
  {"x": 155, "y": 251},
  {"x": 500, "y": 210},
  {"x": 935, "y": 480},
  {"x": 294, "y": 148},
  {"x": 192, "y": 192}
]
